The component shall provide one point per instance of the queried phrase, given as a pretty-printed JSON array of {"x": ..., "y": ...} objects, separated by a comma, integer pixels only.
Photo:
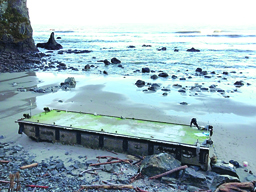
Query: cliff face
[{"x": 15, "y": 27}]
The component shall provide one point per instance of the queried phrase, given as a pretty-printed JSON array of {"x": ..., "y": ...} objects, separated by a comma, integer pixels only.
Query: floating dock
[{"x": 125, "y": 135}]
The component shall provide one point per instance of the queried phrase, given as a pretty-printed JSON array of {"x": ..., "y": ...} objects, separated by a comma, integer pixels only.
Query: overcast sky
[{"x": 235, "y": 12}]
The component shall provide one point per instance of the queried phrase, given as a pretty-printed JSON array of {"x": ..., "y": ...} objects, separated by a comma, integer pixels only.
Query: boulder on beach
[
  {"x": 51, "y": 44},
  {"x": 159, "y": 163},
  {"x": 69, "y": 82}
]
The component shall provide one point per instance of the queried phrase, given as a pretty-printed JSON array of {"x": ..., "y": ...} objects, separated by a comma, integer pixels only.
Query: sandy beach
[{"x": 233, "y": 120}]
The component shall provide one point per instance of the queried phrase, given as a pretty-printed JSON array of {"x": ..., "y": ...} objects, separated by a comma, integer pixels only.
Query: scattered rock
[
  {"x": 197, "y": 179},
  {"x": 239, "y": 83},
  {"x": 87, "y": 67},
  {"x": 199, "y": 70},
  {"x": 224, "y": 168},
  {"x": 163, "y": 74},
  {"x": 106, "y": 62},
  {"x": 145, "y": 70},
  {"x": 162, "y": 49},
  {"x": 146, "y": 45},
  {"x": 115, "y": 61},
  {"x": 154, "y": 77}
]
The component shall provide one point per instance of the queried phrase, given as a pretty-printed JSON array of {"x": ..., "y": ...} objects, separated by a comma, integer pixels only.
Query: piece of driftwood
[
  {"x": 37, "y": 186},
  {"x": 29, "y": 166},
  {"x": 112, "y": 152},
  {"x": 106, "y": 186},
  {"x": 169, "y": 172},
  {"x": 4, "y": 161},
  {"x": 137, "y": 189},
  {"x": 89, "y": 171},
  {"x": 135, "y": 177},
  {"x": 111, "y": 162},
  {"x": 3, "y": 181},
  {"x": 236, "y": 186}
]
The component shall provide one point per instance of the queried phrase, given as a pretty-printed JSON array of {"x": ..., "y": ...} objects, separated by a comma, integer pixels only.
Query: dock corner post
[
  {"x": 37, "y": 133},
  {"x": 101, "y": 141},
  {"x": 178, "y": 152},
  {"x": 57, "y": 134},
  {"x": 21, "y": 128},
  {"x": 150, "y": 148},
  {"x": 78, "y": 138},
  {"x": 125, "y": 145}
]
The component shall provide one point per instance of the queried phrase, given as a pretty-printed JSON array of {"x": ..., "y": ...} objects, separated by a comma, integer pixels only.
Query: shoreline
[{"x": 103, "y": 95}]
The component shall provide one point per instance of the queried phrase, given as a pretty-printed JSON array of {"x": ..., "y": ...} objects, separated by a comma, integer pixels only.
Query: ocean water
[
  {"x": 227, "y": 53},
  {"x": 221, "y": 49}
]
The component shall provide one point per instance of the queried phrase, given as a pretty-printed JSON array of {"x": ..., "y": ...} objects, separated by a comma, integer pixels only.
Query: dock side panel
[
  {"x": 137, "y": 147},
  {"x": 90, "y": 140},
  {"x": 68, "y": 137},
  {"x": 113, "y": 143},
  {"x": 47, "y": 134},
  {"x": 30, "y": 131}
]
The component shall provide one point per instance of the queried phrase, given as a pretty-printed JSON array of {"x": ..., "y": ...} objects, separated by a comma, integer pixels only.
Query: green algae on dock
[{"x": 125, "y": 126}]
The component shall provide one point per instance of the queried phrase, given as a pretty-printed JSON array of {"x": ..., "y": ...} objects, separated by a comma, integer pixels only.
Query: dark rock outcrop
[
  {"x": 51, "y": 44},
  {"x": 15, "y": 28},
  {"x": 193, "y": 50}
]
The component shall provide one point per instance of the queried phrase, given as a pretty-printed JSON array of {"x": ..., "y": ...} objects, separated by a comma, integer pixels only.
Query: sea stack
[
  {"x": 15, "y": 28},
  {"x": 51, "y": 44}
]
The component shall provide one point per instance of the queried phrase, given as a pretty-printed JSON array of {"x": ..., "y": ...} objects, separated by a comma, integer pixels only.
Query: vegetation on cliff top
[{"x": 11, "y": 23}]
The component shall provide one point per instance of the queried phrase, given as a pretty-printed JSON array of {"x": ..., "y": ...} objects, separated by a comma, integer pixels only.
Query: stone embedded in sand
[
  {"x": 69, "y": 82},
  {"x": 51, "y": 44},
  {"x": 140, "y": 83}
]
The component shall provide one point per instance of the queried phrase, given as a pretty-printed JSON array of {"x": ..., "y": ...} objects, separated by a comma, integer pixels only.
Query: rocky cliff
[{"x": 15, "y": 27}]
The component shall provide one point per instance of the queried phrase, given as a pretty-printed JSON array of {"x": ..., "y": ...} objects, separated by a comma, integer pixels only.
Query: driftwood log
[
  {"x": 4, "y": 161},
  {"x": 111, "y": 162},
  {"x": 169, "y": 172},
  {"x": 29, "y": 166},
  {"x": 37, "y": 186},
  {"x": 106, "y": 186},
  {"x": 235, "y": 186}
]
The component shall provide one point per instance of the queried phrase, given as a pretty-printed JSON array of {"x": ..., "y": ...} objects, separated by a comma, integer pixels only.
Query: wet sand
[{"x": 233, "y": 119}]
